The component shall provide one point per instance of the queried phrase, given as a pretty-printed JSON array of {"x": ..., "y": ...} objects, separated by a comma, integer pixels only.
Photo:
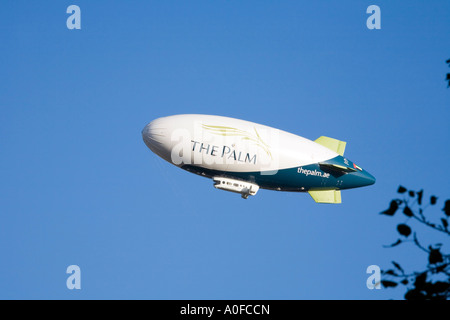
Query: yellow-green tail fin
[
  {"x": 332, "y": 144},
  {"x": 326, "y": 196}
]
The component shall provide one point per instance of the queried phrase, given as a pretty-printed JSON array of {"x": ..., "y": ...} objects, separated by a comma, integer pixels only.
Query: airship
[{"x": 242, "y": 157}]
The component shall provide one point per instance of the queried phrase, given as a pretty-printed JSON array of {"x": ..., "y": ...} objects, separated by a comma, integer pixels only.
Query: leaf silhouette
[
  {"x": 404, "y": 230},
  {"x": 435, "y": 256},
  {"x": 446, "y": 208},
  {"x": 441, "y": 267},
  {"x": 433, "y": 200},
  {"x": 444, "y": 223},
  {"x": 407, "y": 211},
  {"x": 420, "y": 279},
  {"x": 414, "y": 294},
  {"x": 402, "y": 189},
  {"x": 438, "y": 287},
  {"x": 398, "y": 266},
  {"x": 419, "y": 197},
  {"x": 392, "y": 208},
  {"x": 388, "y": 284},
  {"x": 390, "y": 272}
]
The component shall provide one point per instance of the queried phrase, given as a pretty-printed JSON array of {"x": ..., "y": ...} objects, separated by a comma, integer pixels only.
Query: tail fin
[
  {"x": 332, "y": 144},
  {"x": 326, "y": 196}
]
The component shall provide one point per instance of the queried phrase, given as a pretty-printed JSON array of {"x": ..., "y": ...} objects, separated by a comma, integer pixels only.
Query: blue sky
[{"x": 80, "y": 187}]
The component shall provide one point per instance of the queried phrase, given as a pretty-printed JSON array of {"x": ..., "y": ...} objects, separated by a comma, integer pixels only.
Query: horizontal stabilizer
[
  {"x": 332, "y": 144},
  {"x": 326, "y": 196}
]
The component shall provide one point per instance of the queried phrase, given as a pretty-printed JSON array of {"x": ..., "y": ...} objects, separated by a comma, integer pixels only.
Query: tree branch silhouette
[
  {"x": 438, "y": 265},
  {"x": 433, "y": 282}
]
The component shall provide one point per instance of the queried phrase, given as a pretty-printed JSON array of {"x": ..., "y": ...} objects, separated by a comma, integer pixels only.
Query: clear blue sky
[{"x": 79, "y": 186}]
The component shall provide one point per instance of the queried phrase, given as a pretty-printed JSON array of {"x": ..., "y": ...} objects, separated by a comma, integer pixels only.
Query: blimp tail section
[
  {"x": 326, "y": 196},
  {"x": 332, "y": 144}
]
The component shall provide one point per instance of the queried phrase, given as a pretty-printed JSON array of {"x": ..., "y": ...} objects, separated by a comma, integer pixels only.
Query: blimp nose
[
  {"x": 366, "y": 179},
  {"x": 154, "y": 135}
]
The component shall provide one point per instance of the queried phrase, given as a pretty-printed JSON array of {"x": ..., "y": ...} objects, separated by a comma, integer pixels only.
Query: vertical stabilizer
[{"x": 332, "y": 144}]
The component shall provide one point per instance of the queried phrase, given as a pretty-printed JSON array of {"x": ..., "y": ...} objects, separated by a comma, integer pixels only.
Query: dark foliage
[
  {"x": 448, "y": 74},
  {"x": 433, "y": 282}
]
